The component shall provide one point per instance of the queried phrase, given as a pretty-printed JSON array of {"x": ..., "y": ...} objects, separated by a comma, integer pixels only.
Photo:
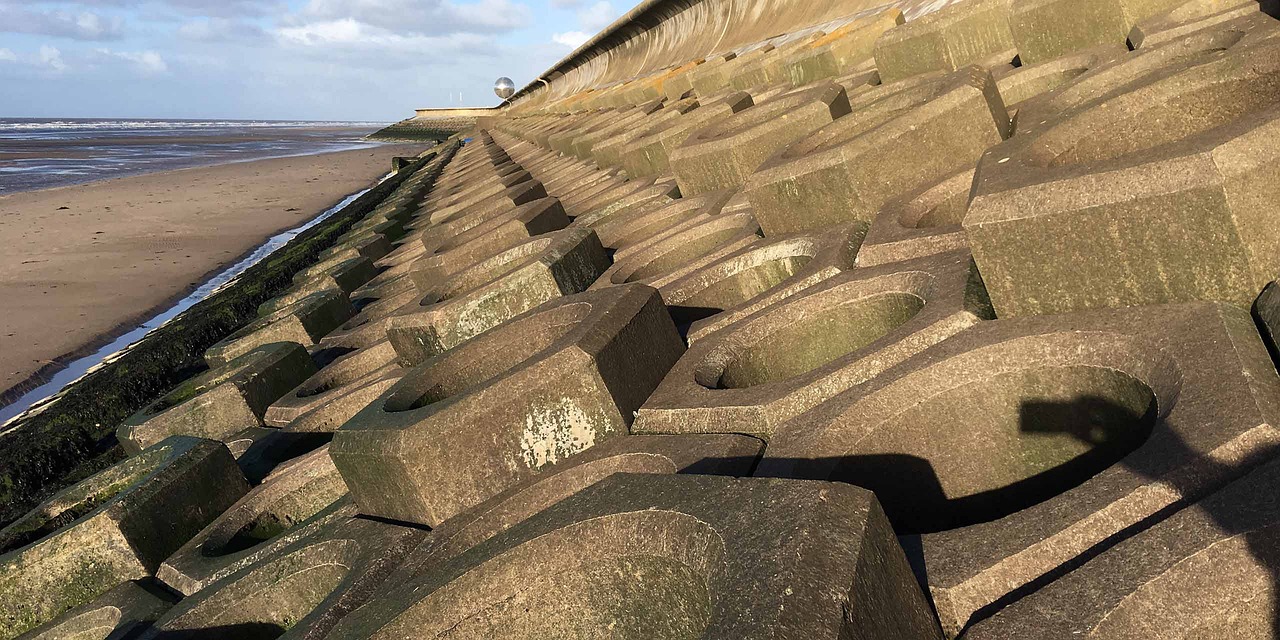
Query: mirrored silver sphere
[{"x": 504, "y": 88}]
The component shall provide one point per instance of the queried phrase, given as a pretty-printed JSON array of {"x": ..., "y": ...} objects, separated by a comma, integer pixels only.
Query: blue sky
[{"x": 372, "y": 60}]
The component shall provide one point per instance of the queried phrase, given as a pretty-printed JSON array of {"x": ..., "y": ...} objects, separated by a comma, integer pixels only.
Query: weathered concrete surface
[
  {"x": 223, "y": 401},
  {"x": 1156, "y": 192},
  {"x": 1208, "y": 571},
  {"x": 113, "y": 527},
  {"x": 304, "y": 322},
  {"x": 291, "y": 495},
  {"x": 495, "y": 290},
  {"x": 903, "y": 136},
  {"x": 120, "y": 613},
  {"x": 947, "y": 40},
  {"x": 671, "y": 556},
  {"x": 465, "y": 425},
  {"x": 1076, "y": 427},
  {"x": 753, "y": 375}
]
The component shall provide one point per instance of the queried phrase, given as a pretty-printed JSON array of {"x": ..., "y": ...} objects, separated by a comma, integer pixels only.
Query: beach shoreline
[{"x": 69, "y": 274}]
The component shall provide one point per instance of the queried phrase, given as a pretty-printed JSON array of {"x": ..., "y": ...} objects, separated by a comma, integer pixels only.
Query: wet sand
[{"x": 84, "y": 263}]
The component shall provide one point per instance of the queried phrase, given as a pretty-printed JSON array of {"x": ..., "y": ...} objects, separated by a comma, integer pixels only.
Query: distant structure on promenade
[{"x": 504, "y": 88}]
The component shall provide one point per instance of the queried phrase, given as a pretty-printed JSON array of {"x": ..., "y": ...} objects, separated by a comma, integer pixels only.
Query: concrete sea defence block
[
  {"x": 223, "y": 401},
  {"x": 608, "y": 152},
  {"x": 950, "y": 39},
  {"x": 293, "y": 494},
  {"x": 752, "y": 376},
  {"x": 495, "y": 290},
  {"x": 333, "y": 381},
  {"x": 1189, "y": 17},
  {"x": 1209, "y": 569},
  {"x": 1176, "y": 208},
  {"x": 671, "y": 556},
  {"x": 620, "y": 228},
  {"x": 1020, "y": 84},
  {"x": 901, "y": 137},
  {"x": 756, "y": 276},
  {"x": 723, "y": 154},
  {"x": 1047, "y": 29},
  {"x": 373, "y": 247},
  {"x": 842, "y": 51},
  {"x": 921, "y": 225},
  {"x": 304, "y": 322},
  {"x": 115, "y": 526},
  {"x": 521, "y": 193},
  {"x": 690, "y": 245},
  {"x": 298, "y": 591},
  {"x": 729, "y": 455},
  {"x": 120, "y": 613},
  {"x": 468, "y": 424},
  {"x": 454, "y": 250},
  {"x": 649, "y": 154},
  {"x": 1075, "y": 428}
]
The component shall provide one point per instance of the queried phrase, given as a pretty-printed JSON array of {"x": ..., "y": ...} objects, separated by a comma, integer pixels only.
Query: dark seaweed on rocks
[{"x": 75, "y": 436}]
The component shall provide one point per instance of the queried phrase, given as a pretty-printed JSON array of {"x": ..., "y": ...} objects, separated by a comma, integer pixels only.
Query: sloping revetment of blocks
[{"x": 957, "y": 326}]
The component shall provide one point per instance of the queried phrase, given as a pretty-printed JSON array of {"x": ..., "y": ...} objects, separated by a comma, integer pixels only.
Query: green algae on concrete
[{"x": 123, "y": 522}]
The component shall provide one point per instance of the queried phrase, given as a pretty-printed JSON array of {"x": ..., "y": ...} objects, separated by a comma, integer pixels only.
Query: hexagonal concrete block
[
  {"x": 902, "y": 137},
  {"x": 1156, "y": 192},
  {"x": 842, "y": 51},
  {"x": 723, "y": 154},
  {"x": 649, "y": 154},
  {"x": 1021, "y": 445},
  {"x": 1208, "y": 569},
  {"x": 754, "y": 277},
  {"x": 298, "y": 590},
  {"x": 495, "y": 290},
  {"x": 291, "y": 495},
  {"x": 1047, "y": 29},
  {"x": 222, "y": 402},
  {"x": 716, "y": 454},
  {"x": 949, "y": 39},
  {"x": 118, "y": 614},
  {"x": 333, "y": 381},
  {"x": 687, "y": 246},
  {"x": 622, "y": 228},
  {"x": 672, "y": 556},
  {"x": 304, "y": 322},
  {"x": 754, "y": 375},
  {"x": 117, "y": 525},
  {"x": 496, "y": 410},
  {"x": 923, "y": 224}
]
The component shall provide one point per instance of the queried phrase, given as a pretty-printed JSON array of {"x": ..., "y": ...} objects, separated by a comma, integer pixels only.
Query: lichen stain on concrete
[{"x": 556, "y": 430}]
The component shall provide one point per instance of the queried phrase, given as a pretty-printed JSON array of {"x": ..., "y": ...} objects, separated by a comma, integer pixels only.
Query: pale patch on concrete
[{"x": 557, "y": 430}]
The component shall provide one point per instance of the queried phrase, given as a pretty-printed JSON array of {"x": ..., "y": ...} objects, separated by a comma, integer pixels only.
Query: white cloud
[
  {"x": 50, "y": 58},
  {"x": 570, "y": 39},
  {"x": 145, "y": 62},
  {"x": 597, "y": 16},
  {"x": 60, "y": 23},
  {"x": 420, "y": 17},
  {"x": 8, "y": 56},
  {"x": 219, "y": 30}
]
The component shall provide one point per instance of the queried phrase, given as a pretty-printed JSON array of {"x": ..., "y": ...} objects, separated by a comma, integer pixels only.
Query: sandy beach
[{"x": 83, "y": 263}]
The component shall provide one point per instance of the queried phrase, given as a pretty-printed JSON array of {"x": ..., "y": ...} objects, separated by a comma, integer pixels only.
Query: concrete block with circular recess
[
  {"x": 293, "y": 494},
  {"x": 737, "y": 285},
  {"x": 754, "y": 375},
  {"x": 118, "y": 614},
  {"x": 494, "y": 411},
  {"x": 223, "y": 401},
  {"x": 117, "y": 525},
  {"x": 1076, "y": 431},
  {"x": 724, "y": 153},
  {"x": 671, "y": 556},
  {"x": 302, "y": 587},
  {"x": 949, "y": 39},
  {"x": 688, "y": 245},
  {"x": 493, "y": 291},
  {"x": 332, "y": 384},
  {"x": 844, "y": 50},
  {"x": 1209, "y": 568},
  {"x": 1152, "y": 192},
  {"x": 901, "y": 137},
  {"x": 304, "y": 322}
]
